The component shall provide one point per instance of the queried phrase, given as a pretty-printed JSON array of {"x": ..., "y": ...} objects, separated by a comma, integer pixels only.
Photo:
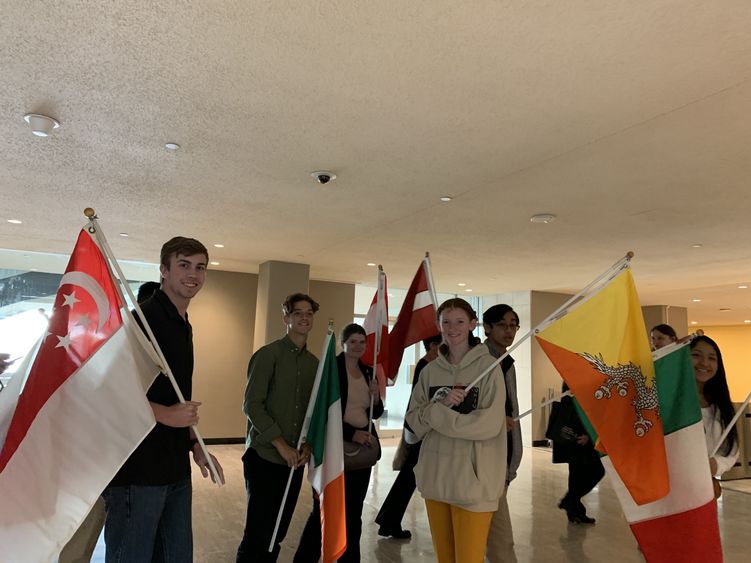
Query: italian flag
[
  {"x": 326, "y": 467},
  {"x": 683, "y": 525}
]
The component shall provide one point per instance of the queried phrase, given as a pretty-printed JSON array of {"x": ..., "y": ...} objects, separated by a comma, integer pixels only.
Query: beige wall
[
  {"x": 546, "y": 381},
  {"x": 337, "y": 301},
  {"x": 736, "y": 354},
  {"x": 223, "y": 319}
]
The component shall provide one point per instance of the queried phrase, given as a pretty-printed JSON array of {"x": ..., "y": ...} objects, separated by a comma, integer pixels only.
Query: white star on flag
[
  {"x": 64, "y": 342},
  {"x": 70, "y": 300}
]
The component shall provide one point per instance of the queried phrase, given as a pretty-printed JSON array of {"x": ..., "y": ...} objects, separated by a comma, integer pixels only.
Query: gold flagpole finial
[
  {"x": 90, "y": 213},
  {"x": 330, "y": 328},
  {"x": 699, "y": 332},
  {"x": 380, "y": 268},
  {"x": 629, "y": 254},
  {"x": 427, "y": 254}
]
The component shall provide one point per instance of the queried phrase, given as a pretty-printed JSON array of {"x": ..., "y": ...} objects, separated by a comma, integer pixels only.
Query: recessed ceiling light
[
  {"x": 123, "y": 234},
  {"x": 747, "y": 321},
  {"x": 696, "y": 245},
  {"x": 468, "y": 290},
  {"x": 694, "y": 322},
  {"x": 217, "y": 245},
  {"x": 371, "y": 264},
  {"x": 696, "y": 300},
  {"x": 15, "y": 221},
  {"x": 214, "y": 263},
  {"x": 542, "y": 218},
  {"x": 171, "y": 146},
  {"x": 725, "y": 309},
  {"x": 41, "y": 125},
  {"x": 743, "y": 286},
  {"x": 446, "y": 198},
  {"x": 461, "y": 284}
]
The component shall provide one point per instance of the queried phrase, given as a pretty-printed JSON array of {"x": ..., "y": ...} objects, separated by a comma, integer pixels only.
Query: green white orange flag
[
  {"x": 683, "y": 525},
  {"x": 326, "y": 467},
  {"x": 600, "y": 349}
]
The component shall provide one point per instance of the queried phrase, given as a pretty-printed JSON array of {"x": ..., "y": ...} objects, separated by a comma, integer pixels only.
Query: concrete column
[
  {"x": 677, "y": 317},
  {"x": 276, "y": 280}
]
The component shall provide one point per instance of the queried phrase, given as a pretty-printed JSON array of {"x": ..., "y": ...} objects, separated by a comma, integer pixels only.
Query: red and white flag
[
  {"x": 74, "y": 411},
  {"x": 417, "y": 318},
  {"x": 376, "y": 325}
]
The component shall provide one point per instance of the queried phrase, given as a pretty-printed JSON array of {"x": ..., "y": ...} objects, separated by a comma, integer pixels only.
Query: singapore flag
[{"x": 74, "y": 411}]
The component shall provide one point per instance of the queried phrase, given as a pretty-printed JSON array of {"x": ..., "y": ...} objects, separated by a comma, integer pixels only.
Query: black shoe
[
  {"x": 580, "y": 518},
  {"x": 397, "y": 534}
]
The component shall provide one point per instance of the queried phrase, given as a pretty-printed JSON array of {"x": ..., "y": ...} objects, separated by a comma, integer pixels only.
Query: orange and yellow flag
[{"x": 601, "y": 350}]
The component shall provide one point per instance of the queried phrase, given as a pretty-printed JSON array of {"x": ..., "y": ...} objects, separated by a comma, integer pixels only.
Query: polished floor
[{"x": 541, "y": 531}]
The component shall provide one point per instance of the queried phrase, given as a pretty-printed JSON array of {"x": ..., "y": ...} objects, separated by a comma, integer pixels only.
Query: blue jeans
[{"x": 149, "y": 523}]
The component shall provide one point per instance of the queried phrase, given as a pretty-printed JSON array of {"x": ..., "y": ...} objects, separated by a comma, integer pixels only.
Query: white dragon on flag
[{"x": 619, "y": 377}]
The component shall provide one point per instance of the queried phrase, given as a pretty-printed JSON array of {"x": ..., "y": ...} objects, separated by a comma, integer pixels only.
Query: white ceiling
[{"x": 628, "y": 120}]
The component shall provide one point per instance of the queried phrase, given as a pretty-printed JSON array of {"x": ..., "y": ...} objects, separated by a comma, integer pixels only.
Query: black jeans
[
  {"x": 265, "y": 483},
  {"x": 393, "y": 508},
  {"x": 355, "y": 488}
]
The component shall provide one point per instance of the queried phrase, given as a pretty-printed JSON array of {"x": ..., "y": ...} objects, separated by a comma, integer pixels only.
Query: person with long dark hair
[
  {"x": 716, "y": 406},
  {"x": 461, "y": 472},
  {"x": 662, "y": 335},
  {"x": 357, "y": 385}
]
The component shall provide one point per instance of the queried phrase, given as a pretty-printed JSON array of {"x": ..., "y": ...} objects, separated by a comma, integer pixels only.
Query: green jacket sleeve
[{"x": 260, "y": 373}]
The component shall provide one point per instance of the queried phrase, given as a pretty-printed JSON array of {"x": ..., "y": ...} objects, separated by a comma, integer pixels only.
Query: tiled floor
[{"x": 541, "y": 531}]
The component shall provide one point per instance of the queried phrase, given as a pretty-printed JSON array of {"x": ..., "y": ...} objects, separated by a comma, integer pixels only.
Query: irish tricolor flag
[
  {"x": 326, "y": 467},
  {"x": 683, "y": 525}
]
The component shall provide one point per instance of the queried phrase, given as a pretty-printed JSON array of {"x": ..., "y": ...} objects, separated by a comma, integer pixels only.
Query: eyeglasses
[
  {"x": 505, "y": 327},
  {"x": 302, "y": 314}
]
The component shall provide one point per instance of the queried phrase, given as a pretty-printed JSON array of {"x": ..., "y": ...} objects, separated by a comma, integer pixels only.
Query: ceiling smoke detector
[{"x": 41, "y": 125}]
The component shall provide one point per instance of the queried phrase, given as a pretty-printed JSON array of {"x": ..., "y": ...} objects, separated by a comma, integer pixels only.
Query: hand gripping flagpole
[
  {"x": 96, "y": 230},
  {"x": 305, "y": 426},
  {"x": 556, "y": 315}
]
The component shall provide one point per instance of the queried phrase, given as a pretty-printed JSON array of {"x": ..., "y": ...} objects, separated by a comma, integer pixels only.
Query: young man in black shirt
[{"x": 149, "y": 501}]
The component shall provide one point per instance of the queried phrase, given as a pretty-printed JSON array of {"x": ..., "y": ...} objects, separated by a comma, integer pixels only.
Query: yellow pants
[{"x": 459, "y": 536}]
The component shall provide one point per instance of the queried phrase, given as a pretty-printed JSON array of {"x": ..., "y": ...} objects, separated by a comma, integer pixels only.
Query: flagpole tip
[
  {"x": 699, "y": 332},
  {"x": 427, "y": 254},
  {"x": 630, "y": 254},
  {"x": 89, "y": 212}
]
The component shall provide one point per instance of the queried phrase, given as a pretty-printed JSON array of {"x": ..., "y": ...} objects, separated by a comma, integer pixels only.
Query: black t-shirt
[{"x": 163, "y": 456}]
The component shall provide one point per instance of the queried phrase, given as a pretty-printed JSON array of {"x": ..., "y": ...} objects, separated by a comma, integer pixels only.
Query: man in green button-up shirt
[{"x": 280, "y": 381}]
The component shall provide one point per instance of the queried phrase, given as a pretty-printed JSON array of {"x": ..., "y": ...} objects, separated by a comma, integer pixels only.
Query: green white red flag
[{"x": 326, "y": 466}]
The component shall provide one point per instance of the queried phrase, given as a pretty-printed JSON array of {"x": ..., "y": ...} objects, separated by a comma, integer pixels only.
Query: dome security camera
[{"x": 323, "y": 177}]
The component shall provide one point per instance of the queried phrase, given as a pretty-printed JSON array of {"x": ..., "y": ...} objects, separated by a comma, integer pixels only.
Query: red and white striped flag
[
  {"x": 376, "y": 325},
  {"x": 417, "y": 318},
  {"x": 73, "y": 413}
]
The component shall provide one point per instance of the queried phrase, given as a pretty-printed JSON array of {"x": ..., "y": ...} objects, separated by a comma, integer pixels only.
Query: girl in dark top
[
  {"x": 585, "y": 469},
  {"x": 356, "y": 386}
]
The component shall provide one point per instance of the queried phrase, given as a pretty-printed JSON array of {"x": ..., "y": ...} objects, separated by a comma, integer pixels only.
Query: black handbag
[
  {"x": 358, "y": 456},
  {"x": 561, "y": 424}
]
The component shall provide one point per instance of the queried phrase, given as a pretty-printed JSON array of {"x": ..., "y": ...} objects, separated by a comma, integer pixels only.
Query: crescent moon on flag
[{"x": 90, "y": 285}]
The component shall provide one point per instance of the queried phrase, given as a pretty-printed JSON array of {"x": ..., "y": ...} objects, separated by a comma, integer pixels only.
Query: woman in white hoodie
[{"x": 461, "y": 470}]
